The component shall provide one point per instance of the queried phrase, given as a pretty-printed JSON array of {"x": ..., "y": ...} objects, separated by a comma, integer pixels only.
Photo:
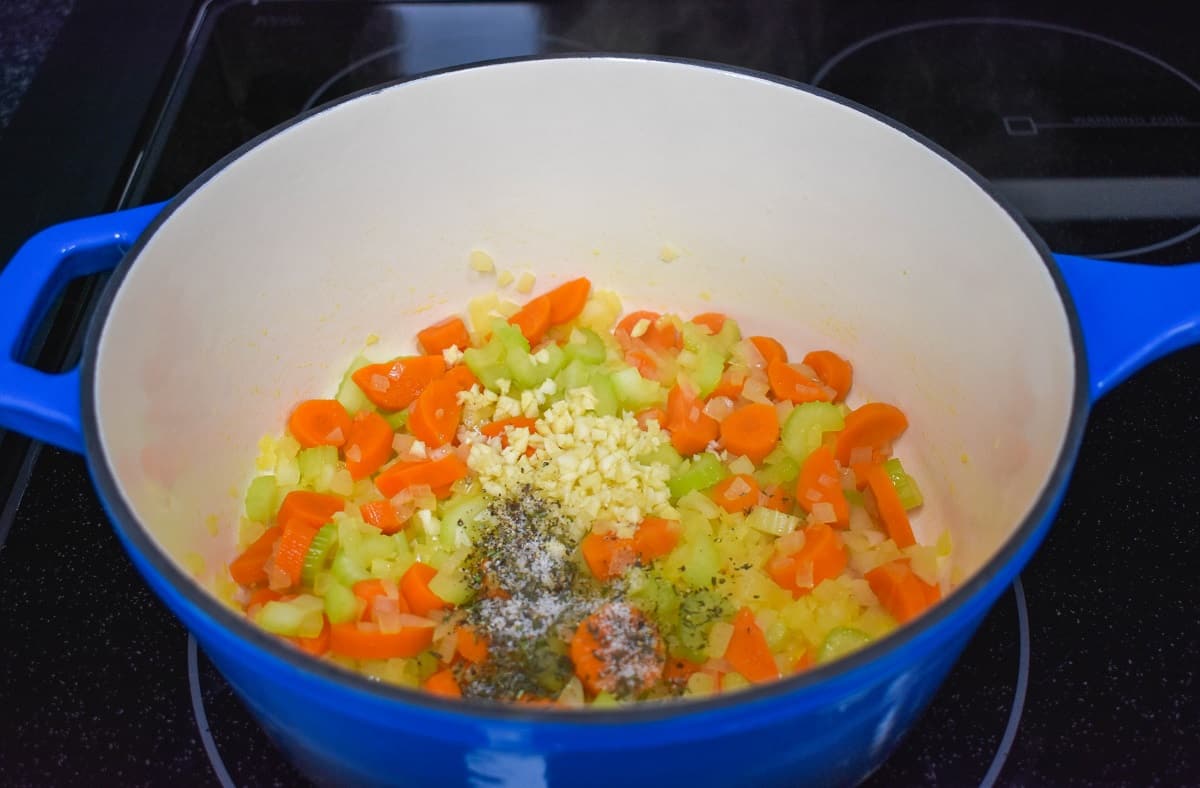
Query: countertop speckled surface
[{"x": 27, "y": 30}]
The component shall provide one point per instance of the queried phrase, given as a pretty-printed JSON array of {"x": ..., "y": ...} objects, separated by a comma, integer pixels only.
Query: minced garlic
[{"x": 588, "y": 463}]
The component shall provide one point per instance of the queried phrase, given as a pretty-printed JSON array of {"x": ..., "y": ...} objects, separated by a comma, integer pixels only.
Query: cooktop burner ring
[{"x": 1028, "y": 126}]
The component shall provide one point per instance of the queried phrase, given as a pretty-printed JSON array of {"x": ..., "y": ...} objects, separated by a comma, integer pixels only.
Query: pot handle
[
  {"x": 1131, "y": 314},
  {"x": 42, "y": 405}
]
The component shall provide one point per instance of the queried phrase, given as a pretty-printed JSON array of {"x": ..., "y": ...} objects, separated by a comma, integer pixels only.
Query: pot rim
[{"x": 988, "y": 580}]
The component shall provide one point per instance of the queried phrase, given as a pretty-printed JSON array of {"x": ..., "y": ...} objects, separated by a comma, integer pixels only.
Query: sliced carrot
[
  {"x": 833, "y": 370},
  {"x": 361, "y": 640},
  {"x": 887, "y": 503},
  {"x": 395, "y": 384},
  {"x": 713, "y": 321},
  {"x": 434, "y": 417},
  {"x": 823, "y": 557},
  {"x": 819, "y": 482},
  {"x": 472, "y": 646},
  {"x": 655, "y": 537},
  {"x": 752, "y": 430},
  {"x": 310, "y": 508},
  {"x": 770, "y": 349},
  {"x": 249, "y": 568},
  {"x": 414, "y": 585},
  {"x": 600, "y": 650},
  {"x": 791, "y": 384},
  {"x": 294, "y": 542},
  {"x": 261, "y": 596},
  {"x": 367, "y": 590},
  {"x": 652, "y": 414},
  {"x": 732, "y": 381},
  {"x": 737, "y": 493},
  {"x": 317, "y": 646},
  {"x": 805, "y": 661},
  {"x": 607, "y": 555},
  {"x": 777, "y": 497},
  {"x": 382, "y": 515},
  {"x": 451, "y": 332},
  {"x": 319, "y": 422},
  {"x": 660, "y": 334},
  {"x": 748, "y": 652},
  {"x": 533, "y": 319},
  {"x": 904, "y": 595},
  {"x": 644, "y": 361},
  {"x": 501, "y": 427},
  {"x": 678, "y": 670},
  {"x": 443, "y": 683},
  {"x": 438, "y": 474},
  {"x": 568, "y": 299},
  {"x": 873, "y": 426},
  {"x": 461, "y": 376},
  {"x": 369, "y": 444},
  {"x": 691, "y": 428}
]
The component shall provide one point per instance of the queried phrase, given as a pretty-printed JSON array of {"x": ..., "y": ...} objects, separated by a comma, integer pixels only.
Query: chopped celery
[
  {"x": 705, "y": 370},
  {"x": 702, "y": 562},
  {"x": 906, "y": 486},
  {"x": 397, "y": 419},
  {"x": 316, "y": 465},
  {"x": 769, "y": 521},
  {"x": 806, "y": 425},
  {"x": 377, "y": 546},
  {"x": 300, "y": 617},
  {"x": 585, "y": 345},
  {"x": 509, "y": 335},
  {"x": 318, "y": 553},
  {"x": 606, "y": 394},
  {"x": 341, "y": 605},
  {"x": 699, "y": 473},
  {"x": 781, "y": 472},
  {"x": 698, "y": 611},
  {"x": 634, "y": 391},
  {"x": 841, "y": 641},
  {"x": 487, "y": 363},
  {"x": 665, "y": 455},
  {"x": 349, "y": 394},
  {"x": 427, "y": 664},
  {"x": 729, "y": 335},
  {"x": 574, "y": 375},
  {"x": 854, "y": 497},
  {"x": 450, "y": 582},
  {"x": 260, "y": 499},
  {"x": 348, "y": 570},
  {"x": 604, "y": 700},
  {"x": 464, "y": 510}
]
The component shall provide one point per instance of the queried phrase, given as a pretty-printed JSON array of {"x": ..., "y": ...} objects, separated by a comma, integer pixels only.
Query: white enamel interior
[{"x": 798, "y": 216}]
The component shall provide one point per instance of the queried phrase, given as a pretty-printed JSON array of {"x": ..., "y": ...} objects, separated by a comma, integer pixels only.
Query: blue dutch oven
[{"x": 801, "y": 214}]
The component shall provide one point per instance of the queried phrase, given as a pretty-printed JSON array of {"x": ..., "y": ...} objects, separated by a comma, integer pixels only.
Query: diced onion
[
  {"x": 849, "y": 479},
  {"x": 755, "y": 390},
  {"x": 718, "y": 639},
  {"x": 860, "y": 454},
  {"x": 824, "y": 512},
  {"x": 354, "y": 453},
  {"x": 441, "y": 451},
  {"x": 719, "y": 407},
  {"x": 790, "y": 543},
  {"x": 388, "y": 621},
  {"x": 336, "y": 435},
  {"x": 402, "y": 442},
  {"x": 380, "y": 382}
]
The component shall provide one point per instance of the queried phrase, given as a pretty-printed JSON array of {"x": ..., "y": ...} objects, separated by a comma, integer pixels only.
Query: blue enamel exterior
[
  {"x": 1131, "y": 314},
  {"x": 832, "y": 725},
  {"x": 38, "y": 404}
]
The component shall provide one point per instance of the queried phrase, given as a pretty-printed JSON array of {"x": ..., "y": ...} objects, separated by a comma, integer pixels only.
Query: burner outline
[{"x": 1027, "y": 126}]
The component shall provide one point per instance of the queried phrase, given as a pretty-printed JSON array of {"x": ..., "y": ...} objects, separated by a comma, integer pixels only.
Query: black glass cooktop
[{"x": 1088, "y": 120}]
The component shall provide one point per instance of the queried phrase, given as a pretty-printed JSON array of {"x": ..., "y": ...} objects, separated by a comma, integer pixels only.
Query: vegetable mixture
[{"x": 556, "y": 504}]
